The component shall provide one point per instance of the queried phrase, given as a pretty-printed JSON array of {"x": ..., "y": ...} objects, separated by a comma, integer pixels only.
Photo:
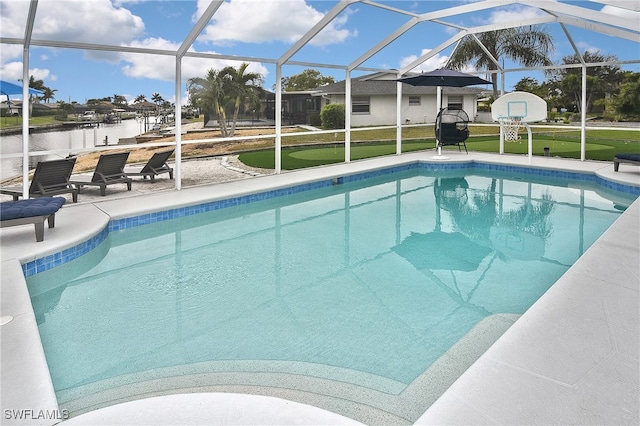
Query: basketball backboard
[{"x": 527, "y": 106}]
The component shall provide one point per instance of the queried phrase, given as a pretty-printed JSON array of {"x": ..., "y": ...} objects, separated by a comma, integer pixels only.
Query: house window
[
  {"x": 313, "y": 104},
  {"x": 360, "y": 105},
  {"x": 454, "y": 102},
  {"x": 414, "y": 100}
]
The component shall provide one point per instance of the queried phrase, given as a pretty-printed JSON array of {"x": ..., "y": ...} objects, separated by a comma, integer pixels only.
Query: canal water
[{"x": 63, "y": 139}]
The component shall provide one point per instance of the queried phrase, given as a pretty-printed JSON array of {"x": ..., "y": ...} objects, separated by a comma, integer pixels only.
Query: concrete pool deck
[{"x": 573, "y": 357}]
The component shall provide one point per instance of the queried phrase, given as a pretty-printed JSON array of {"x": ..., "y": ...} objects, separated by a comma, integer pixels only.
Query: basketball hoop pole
[{"x": 529, "y": 142}]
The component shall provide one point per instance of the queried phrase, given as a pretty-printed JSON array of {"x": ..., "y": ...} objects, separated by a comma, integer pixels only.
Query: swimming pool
[{"x": 362, "y": 231}]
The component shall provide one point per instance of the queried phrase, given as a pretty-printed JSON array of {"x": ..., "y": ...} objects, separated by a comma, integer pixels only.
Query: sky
[{"x": 263, "y": 29}]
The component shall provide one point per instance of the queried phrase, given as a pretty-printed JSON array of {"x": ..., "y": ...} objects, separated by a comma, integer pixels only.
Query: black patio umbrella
[{"x": 443, "y": 77}]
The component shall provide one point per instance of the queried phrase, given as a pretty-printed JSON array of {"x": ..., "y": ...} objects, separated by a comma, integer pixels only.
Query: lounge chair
[
  {"x": 36, "y": 211},
  {"x": 156, "y": 165},
  {"x": 109, "y": 171},
  {"x": 50, "y": 178},
  {"x": 625, "y": 158}
]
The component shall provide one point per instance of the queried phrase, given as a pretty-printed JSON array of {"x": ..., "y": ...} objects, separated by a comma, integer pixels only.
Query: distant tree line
[{"x": 610, "y": 91}]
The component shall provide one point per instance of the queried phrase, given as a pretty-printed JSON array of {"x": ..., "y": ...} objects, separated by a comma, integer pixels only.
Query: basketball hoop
[
  {"x": 511, "y": 126},
  {"x": 515, "y": 111}
]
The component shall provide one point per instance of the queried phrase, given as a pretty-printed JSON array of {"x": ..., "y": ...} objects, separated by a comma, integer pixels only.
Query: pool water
[{"x": 379, "y": 277}]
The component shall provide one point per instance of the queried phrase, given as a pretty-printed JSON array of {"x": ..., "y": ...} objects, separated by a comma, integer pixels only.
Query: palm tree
[
  {"x": 119, "y": 100},
  {"x": 243, "y": 87},
  {"x": 208, "y": 94},
  {"x": 36, "y": 84},
  {"x": 139, "y": 98},
  {"x": 529, "y": 47},
  {"x": 48, "y": 94},
  {"x": 233, "y": 87},
  {"x": 157, "y": 99}
]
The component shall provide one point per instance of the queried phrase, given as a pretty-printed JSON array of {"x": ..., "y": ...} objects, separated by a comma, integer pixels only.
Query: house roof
[
  {"x": 143, "y": 105},
  {"x": 386, "y": 84}
]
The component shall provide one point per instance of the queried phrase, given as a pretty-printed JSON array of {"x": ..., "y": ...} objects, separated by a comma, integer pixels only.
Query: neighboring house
[
  {"x": 143, "y": 107},
  {"x": 373, "y": 100},
  {"x": 16, "y": 108},
  {"x": 10, "y": 107},
  {"x": 301, "y": 107},
  {"x": 102, "y": 107}
]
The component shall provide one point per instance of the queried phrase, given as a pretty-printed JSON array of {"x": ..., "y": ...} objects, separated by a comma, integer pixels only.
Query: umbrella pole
[{"x": 439, "y": 108}]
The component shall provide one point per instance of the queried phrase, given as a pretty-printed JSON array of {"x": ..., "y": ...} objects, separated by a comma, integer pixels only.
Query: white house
[{"x": 374, "y": 96}]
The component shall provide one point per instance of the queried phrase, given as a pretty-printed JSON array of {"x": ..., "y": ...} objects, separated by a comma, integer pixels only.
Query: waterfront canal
[{"x": 67, "y": 140}]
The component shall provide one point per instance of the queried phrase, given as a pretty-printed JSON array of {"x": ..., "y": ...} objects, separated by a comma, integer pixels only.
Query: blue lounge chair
[
  {"x": 31, "y": 211},
  {"x": 625, "y": 158}
]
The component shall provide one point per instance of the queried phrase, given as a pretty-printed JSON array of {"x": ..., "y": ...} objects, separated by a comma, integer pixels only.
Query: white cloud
[
  {"x": 159, "y": 67},
  {"x": 96, "y": 21},
  {"x": 39, "y": 74},
  {"x": 334, "y": 33},
  {"x": 100, "y": 22},
  {"x": 13, "y": 18},
  {"x": 251, "y": 21},
  {"x": 10, "y": 51},
  {"x": 435, "y": 62},
  {"x": 514, "y": 14},
  {"x": 12, "y": 71},
  {"x": 162, "y": 67},
  {"x": 583, "y": 46},
  {"x": 120, "y": 3}
]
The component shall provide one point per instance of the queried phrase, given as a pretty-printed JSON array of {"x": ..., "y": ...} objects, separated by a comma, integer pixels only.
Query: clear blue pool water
[{"x": 379, "y": 276}]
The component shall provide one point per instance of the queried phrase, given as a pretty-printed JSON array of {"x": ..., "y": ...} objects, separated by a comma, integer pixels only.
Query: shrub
[
  {"x": 314, "y": 120},
  {"x": 62, "y": 116},
  {"x": 332, "y": 116}
]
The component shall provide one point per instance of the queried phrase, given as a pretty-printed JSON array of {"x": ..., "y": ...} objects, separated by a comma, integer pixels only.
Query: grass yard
[
  {"x": 298, "y": 158},
  {"x": 601, "y": 145}
]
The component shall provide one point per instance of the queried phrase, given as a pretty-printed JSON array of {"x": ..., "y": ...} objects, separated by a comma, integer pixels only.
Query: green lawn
[
  {"x": 601, "y": 145},
  {"x": 298, "y": 158},
  {"x": 16, "y": 121}
]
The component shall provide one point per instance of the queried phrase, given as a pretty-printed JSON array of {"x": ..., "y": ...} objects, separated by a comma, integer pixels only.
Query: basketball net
[{"x": 510, "y": 127}]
